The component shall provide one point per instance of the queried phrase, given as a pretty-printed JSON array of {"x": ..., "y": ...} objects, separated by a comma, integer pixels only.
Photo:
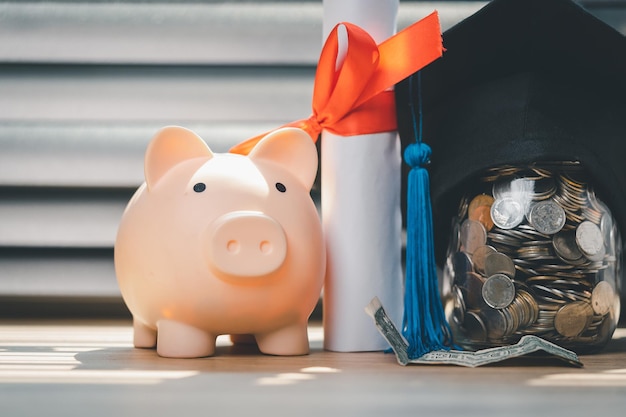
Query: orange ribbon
[{"x": 354, "y": 99}]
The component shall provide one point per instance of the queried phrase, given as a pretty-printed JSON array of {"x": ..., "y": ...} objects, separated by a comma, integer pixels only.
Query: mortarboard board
[{"x": 521, "y": 81}]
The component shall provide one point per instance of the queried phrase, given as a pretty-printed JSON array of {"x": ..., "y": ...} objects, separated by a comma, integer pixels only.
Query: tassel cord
[{"x": 424, "y": 323}]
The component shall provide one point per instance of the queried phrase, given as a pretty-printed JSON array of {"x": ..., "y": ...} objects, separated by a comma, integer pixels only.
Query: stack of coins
[{"x": 533, "y": 251}]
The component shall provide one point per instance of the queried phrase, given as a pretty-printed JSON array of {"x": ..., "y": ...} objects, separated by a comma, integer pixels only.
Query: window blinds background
[{"x": 85, "y": 84}]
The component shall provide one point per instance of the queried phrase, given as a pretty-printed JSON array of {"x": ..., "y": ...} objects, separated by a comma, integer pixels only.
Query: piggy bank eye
[
  {"x": 199, "y": 187},
  {"x": 281, "y": 187}
]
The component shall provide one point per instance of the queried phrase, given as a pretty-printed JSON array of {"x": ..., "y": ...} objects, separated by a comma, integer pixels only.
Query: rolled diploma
[{"x": 361, "y": 214}]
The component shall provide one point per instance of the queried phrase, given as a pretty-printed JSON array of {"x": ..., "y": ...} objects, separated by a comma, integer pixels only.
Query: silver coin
[
  {"x": 547, "y": 217},
  {"x": 564, "y": 244},
  {"x": 473, "y": 235},
  {"x": 475, "y": 327},
  {"x": 498, "y": 291},
  {"x": 500, "y": 189},
  {"x": 473, "y": 287},
  {"x": 499, "y": 263},
  {"x": 602, "y": 298},
  {"x": 507, "y": 213},
  {"x": 497, "y": 323},
  {"x": 480, "y": 256},
  {"x": 590, "y": 241}
]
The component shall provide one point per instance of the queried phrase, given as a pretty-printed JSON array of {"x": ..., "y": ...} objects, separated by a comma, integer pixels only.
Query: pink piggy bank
[{"x": 217, "y": 244}]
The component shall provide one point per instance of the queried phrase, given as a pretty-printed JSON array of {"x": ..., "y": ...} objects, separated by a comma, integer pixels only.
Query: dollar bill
[{"x": 526, "y": 345}]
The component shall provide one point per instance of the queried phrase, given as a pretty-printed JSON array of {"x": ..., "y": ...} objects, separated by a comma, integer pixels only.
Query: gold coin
[
  {"x": 602, "y": 298},
  {"x": 482, "y": 214},
  {"x": 478, "y": 201},
  {"x": 572, "y": 319}
]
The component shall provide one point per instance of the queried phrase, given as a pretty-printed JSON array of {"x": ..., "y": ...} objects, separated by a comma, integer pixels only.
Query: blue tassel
[{"x": 424, "y": 324}]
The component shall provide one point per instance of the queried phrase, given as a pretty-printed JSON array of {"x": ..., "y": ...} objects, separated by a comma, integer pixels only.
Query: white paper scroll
[{"x": 361, "y": 214}]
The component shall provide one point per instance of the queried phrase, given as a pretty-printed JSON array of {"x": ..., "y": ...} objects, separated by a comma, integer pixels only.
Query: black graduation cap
[{"x": 521, "y": 81}]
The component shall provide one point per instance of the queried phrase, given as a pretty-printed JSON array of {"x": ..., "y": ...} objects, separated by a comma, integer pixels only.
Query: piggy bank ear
[
  {"x": 170, "y": 146},
  {"x": 293, "y": 149}
]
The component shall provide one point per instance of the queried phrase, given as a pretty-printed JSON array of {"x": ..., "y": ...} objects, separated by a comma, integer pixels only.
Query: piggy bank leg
[
  {"x": 180, "y": 340},
  {"x": 289, "y": 340},
  {"x": 143, "y": 336}
]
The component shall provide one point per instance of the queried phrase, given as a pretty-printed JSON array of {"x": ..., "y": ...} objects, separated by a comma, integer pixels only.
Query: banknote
[{"x": 526, "y": 345}]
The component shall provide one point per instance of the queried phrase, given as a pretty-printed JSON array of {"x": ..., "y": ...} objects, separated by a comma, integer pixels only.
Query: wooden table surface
[{"x": 89, "y": 368}]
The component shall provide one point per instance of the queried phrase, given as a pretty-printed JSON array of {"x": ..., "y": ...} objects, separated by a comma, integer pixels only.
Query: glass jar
[{"x": 533, "y": 251}]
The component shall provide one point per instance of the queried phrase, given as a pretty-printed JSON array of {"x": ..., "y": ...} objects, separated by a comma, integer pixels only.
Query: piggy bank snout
[{"x": 246, "y": 244}]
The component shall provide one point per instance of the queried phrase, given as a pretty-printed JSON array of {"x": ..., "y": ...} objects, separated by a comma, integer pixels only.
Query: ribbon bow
[{"x": 354, "y": 97}]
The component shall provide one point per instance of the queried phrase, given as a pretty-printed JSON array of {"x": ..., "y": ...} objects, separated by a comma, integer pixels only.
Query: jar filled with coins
[{"x": 533, "y": 251}]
